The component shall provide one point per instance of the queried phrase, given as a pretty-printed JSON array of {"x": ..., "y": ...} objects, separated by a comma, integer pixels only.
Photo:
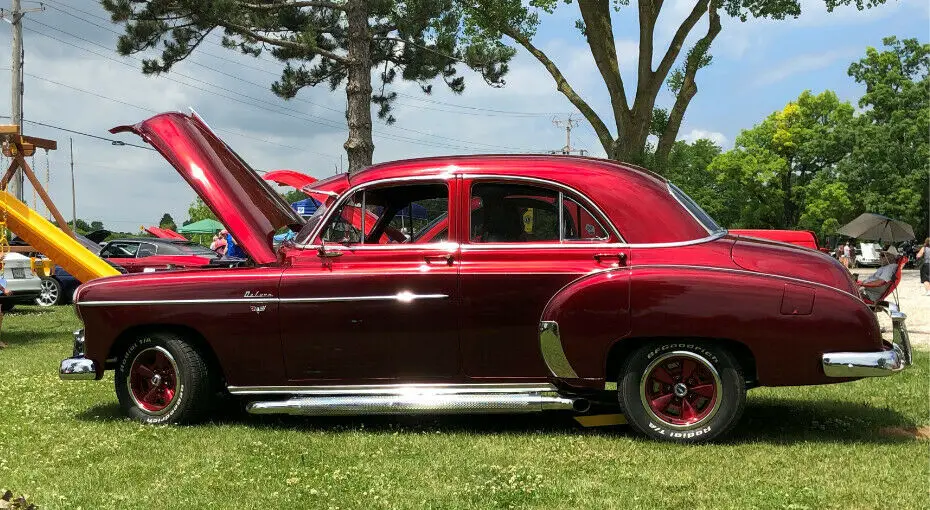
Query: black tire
[
  {"x": 702, "y": 418},
  {"x": 193, "y": 385},
  {"x": 6, "y": 307},
  {"x": 51, "y": 292}
]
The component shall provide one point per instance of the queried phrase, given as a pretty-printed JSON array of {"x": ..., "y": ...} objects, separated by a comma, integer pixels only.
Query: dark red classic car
[{"x": 558, "y": 283}]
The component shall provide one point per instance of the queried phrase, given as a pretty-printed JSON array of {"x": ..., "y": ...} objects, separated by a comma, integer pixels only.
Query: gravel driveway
[{"x": 913, "y": 303}]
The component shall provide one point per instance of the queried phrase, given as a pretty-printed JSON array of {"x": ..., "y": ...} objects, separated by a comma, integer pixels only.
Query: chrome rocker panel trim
[
  {"x": 550, "y": 344},
  {"x": 415, "y": 403},
  {"x": 873, "y": 364},
  {"x": 392, "y": 389}
]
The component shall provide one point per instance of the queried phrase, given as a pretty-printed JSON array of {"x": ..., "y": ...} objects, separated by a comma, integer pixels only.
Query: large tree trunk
[{"x": 359, "y": 146}]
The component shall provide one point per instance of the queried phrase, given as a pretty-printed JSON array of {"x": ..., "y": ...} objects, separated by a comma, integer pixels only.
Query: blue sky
[{"x": 76, "y": 80}]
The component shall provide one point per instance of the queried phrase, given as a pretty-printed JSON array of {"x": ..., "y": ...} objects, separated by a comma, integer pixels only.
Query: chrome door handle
[
  {"x": 621, "y": 257},
  {"x": 448, "y": 259}
]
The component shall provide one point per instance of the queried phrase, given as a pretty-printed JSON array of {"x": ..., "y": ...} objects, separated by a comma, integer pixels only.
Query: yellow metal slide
[{"x": 51, "y": 241}]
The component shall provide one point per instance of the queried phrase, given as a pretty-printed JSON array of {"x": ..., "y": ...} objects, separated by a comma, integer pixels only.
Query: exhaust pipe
[{"x": 419, "y": 404}]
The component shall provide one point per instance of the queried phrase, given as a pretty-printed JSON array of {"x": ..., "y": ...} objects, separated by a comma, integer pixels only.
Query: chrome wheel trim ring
[
  {"x": 696, "y": 357},
  {"x": 177, "y": 375}
]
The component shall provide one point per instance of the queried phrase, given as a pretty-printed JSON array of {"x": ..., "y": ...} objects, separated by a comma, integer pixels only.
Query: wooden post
[{"x": 62, "y": 224}]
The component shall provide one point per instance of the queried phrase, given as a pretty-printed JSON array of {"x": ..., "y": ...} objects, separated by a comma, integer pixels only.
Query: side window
[
  {"x": 120, "y": 250},
  {"x": 513, "y": 213},
  {"x": 146, "y": 250},
  {"x": 519, "y": 213},
  {"x": 579, "y": 224},
  {"x": 392, "y": 214},
  {"x": 345, "y": 225}
]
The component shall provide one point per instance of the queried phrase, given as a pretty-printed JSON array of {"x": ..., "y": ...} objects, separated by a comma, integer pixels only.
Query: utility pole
[
  {"x": 15, "y": 17},
  {"x": 568, "y": 123},
  {"x": 73, "y": 199}
]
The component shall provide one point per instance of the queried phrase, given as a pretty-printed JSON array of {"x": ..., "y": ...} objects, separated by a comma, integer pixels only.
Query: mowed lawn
[{"x": 66, "y": 445}]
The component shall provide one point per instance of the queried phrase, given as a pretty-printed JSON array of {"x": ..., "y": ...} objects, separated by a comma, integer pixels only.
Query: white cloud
[
  {"x": 801, "y": 64},
  {"x": 714, "y": 136}
]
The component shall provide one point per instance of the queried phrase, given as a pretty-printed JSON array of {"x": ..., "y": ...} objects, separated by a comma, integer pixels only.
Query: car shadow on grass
[{"x": 774, "y": 421}]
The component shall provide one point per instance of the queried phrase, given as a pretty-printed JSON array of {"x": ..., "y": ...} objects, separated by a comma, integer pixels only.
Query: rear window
[{"x": 695, "y": 210}]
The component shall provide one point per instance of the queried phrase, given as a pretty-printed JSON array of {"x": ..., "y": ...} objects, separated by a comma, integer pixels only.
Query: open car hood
[{"x": 241, "y": 200}]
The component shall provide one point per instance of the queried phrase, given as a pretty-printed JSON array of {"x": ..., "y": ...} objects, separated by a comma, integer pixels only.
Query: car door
[
  {"x": 357, "y": 310},
  {"x": 525, "y": 240}
]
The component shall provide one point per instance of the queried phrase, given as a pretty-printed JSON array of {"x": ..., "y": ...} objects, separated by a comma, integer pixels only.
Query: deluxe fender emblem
[{"x": 256, "y": 294}]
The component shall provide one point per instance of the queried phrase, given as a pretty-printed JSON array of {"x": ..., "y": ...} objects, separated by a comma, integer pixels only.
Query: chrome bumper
[
  {"x": 77, "y": 367},
  {"x": 873, "y": 364}
]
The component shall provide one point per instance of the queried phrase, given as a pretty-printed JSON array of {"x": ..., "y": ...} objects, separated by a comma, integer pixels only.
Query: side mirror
[{"x": 323, "y": 254}]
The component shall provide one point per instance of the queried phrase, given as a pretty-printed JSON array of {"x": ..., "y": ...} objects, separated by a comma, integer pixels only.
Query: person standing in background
[
  {"x": 847, "y": 250},
  {"x": 2, "y": 289},
  {"x": 924, "y": 253}
]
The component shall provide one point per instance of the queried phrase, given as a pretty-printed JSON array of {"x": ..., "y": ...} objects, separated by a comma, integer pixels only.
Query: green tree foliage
[
  {"x": 197, "y": 211},
  {"x": 96, "y": 225},
  {"x": 337, "y": 43},
  {"x": 815, "y": 164},
  {"x": 887, "y": 170},
  {"x": 167, "y": 221},
  {"x": 782, "y": 172},
  {"x": 633, "y": 121}
]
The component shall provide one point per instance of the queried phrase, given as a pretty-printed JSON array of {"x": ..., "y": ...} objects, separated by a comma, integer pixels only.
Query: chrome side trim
[
  {"x": 424, "y": 403},
  {"x": 402, "y": 297},
  {"x": 178, "y": 302},
  {"x": 550, "y": 344},
  {"x": 677, "y": 244},
  {"x": 393, "y": 389}
]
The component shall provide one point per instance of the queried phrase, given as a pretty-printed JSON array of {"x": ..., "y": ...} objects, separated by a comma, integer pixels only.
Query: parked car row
[{"x": 129, "y": 256}]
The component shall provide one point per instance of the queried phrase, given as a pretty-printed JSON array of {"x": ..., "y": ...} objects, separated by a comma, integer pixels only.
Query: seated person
[{"x": 874, "y": 286}]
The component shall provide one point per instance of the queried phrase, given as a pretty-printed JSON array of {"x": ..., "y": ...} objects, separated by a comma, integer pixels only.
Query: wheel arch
[
  {"x": 189, "y": 334},
  {"x": 621, "y": 349}
]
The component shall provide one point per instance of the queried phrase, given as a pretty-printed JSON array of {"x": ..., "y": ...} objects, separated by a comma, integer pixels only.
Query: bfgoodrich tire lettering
[
  {"x": 187, "y": 396},
  {"x": 680, "y": 391}
]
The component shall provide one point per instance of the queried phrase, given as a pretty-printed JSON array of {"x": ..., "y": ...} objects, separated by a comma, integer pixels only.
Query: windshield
[
  {"x": 312, "y": 222},
  {"x": 695, "y": 210},
  {"x": 195, "y": 249}
]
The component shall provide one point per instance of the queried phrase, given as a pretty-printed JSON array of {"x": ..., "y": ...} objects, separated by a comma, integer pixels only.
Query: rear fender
[{"x": 591, "y": 312}]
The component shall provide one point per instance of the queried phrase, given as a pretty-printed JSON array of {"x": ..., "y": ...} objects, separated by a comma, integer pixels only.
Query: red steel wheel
[
  {"x": 153, "y": 380},
  {"x": 681, "y": 389}
]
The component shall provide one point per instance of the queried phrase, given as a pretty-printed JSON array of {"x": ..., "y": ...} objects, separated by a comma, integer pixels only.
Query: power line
[
  {"x": 76, "y": 132},
  {"x": 474, "y": 110},
  {"x": 281, "y": 110}
]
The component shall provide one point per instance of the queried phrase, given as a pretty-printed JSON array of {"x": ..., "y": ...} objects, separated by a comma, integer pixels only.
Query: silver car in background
[{"x": 22, "y": 285}]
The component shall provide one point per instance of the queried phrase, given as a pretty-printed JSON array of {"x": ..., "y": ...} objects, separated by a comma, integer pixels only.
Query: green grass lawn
[{"x": 66, "y": 445}]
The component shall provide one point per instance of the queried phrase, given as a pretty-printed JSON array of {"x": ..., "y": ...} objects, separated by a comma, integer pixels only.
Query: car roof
[{"x": 634, "y": 199}]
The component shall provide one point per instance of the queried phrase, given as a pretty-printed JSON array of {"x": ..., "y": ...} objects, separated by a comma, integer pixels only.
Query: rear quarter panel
[{"x": 697, "y": 292}]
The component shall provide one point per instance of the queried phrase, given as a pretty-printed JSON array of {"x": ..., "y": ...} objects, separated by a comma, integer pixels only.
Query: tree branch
[
  {"x": 600, "y": 35},
  {"x": 307, "y": 3},
  {"x": 648, "y": 13},
  {"x": 603, "y": 134},
  {"x": 688, "y": 88},
  {"x": 246, "y": 32},
  {"x": 679, "y": 39}
]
